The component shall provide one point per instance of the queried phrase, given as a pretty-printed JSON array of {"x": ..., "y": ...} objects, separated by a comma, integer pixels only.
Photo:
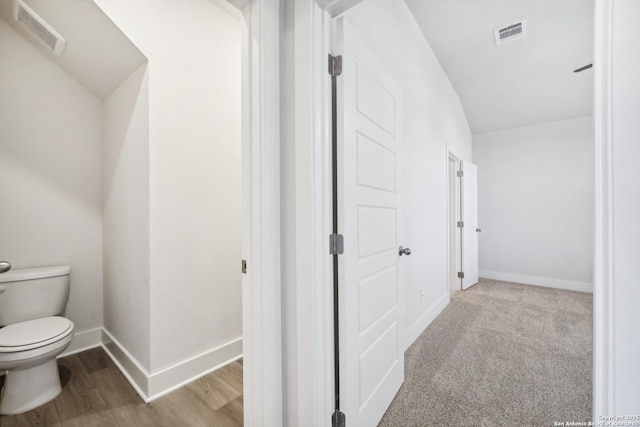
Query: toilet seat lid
[{"x": 33, "y": 333}]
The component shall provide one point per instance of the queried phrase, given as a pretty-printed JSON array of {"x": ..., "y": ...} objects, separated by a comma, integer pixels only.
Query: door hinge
[
  {"x": 460, "y": 274},
  {"x": 338, "y": 419},
  {"x": 335, "y": 65},
  {"x": 460, "y": 224},
  {"x": 244, "y": 266},
  {"x": 336, "y": 244},
  {"x": 460, "y": 174}
]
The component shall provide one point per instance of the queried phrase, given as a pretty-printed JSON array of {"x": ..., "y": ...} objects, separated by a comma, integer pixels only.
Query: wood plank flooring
[{"x": 95, "y": 393}]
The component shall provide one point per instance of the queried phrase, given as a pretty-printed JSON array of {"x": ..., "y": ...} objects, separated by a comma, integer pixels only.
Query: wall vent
[
  {"x": 38, "y": 27},
  {"x": 511, "y": 32}
]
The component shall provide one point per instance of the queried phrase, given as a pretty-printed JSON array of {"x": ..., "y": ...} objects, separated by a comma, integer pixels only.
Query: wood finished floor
[{"x": 95, "y": 393}]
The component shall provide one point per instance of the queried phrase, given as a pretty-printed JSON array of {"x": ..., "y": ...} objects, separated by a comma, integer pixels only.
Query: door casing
[{"x": 453, "y": 210}]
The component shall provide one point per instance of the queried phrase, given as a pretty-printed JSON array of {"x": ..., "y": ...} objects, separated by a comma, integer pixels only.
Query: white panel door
[
  {"x": 470, "y": 219},
  {"x": 371, "y": 355}
]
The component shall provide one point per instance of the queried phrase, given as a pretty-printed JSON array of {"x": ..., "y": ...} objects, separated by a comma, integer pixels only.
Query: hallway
[{"x": 500, "y": 354}]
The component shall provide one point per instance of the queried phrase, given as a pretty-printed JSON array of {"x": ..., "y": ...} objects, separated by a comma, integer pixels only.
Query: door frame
[
  {"x": 309, "y": 392},
  {"x": 306, "y": 144},
  {"x": 603, "y": 279},
  {"x": 454, "y": 240},
  {"x": 261, "y": 285},
  {"x": 293, "y": 387}
]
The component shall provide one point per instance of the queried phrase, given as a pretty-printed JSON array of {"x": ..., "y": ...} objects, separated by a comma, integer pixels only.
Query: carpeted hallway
[{"x": 500, "y": 354}]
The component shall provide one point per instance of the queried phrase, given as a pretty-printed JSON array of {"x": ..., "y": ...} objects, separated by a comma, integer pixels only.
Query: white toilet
[{"x": 33, "y": 333}]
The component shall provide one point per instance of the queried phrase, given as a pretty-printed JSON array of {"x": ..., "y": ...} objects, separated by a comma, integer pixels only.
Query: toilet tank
[{"x": 32, "y": 293}]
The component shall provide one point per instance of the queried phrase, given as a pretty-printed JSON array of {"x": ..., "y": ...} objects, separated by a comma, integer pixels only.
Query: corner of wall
[{"x": 151, "y": 386}]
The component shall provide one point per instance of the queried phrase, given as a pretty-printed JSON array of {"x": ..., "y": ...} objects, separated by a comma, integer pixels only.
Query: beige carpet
[{"x": 500, "y": 354}]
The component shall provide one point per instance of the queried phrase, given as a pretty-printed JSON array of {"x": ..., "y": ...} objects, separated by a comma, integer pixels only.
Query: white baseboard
[
  {"x": 568, "y": 285},
  {"x": 133, "y": 371},
  {"x": 82, "y": 341},
  {"x": 171, "y": 378},
  {"x": 413, "y": 332},
  {"x": 152, "y": 386}
]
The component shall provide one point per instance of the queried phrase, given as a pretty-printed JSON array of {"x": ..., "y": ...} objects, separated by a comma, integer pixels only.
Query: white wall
[
  {"x": 126, "y": 215},
  {"x": 193, "y": 48},
  {"x": 50, "y": 170},
  {"x": 535, "y": 204},
  {"x": 433, "y": 123}
]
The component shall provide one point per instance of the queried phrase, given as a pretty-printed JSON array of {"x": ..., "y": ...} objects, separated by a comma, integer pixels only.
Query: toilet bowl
[
  {"x": 34, "y": 334},
  {"x": 28, "y": 352}
]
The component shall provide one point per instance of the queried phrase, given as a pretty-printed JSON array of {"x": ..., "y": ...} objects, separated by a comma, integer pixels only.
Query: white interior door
[
  {"x": 470, "y": 228},
  {"x": 371, "y": 355}
]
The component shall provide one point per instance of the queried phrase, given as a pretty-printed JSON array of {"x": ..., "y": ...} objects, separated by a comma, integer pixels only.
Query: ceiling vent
[
  {"x": 511, "y": 32},
  {"x": 37, "y": 26}
]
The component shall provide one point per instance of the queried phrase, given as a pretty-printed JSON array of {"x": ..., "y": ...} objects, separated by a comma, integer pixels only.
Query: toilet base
[{"x": 26, "y": 389}]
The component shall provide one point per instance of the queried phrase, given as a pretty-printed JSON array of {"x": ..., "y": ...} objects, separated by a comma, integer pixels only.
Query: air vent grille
[
  {"x": 37, "y": 26},
  {"x": 510, "y": 32}
]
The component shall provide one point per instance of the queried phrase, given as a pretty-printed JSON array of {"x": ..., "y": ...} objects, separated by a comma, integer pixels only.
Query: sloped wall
[{"x": 50, "y": 170}]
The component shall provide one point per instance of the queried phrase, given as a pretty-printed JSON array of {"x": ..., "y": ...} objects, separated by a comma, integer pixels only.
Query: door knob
[
  {"x": 478, "y": 230},
  {"x": 5, "y": 266},
  {"x": 404, "y": 251}
]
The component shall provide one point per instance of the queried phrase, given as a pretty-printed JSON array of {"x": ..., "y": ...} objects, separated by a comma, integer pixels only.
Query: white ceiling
[
  {"x": 523, "y": 82},
  {"x": 98, "y": 54}
]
